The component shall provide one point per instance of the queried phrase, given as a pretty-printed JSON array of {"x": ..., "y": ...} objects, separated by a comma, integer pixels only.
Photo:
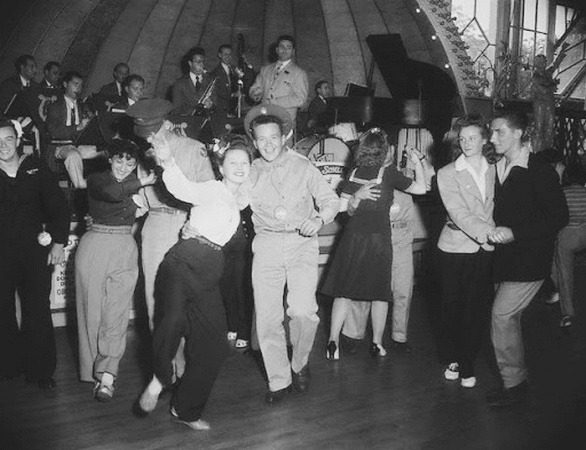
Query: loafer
[
  {"x": 197, "y": 425},
  {"x": 302, "y": 379},
  {"x": 377, "y": 350},
  {"x": 103, "y": 392},
  {"x": 274, "y": 397}
]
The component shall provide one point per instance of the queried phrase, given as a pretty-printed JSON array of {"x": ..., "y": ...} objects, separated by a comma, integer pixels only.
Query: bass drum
[
  {"x": 331, "y": 156},
  {"x": 303, "y": 146}
]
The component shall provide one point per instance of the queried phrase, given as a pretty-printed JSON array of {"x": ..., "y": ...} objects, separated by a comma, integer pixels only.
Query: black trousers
[
  {"x": 188, "y": 304},
  {"x": 23, "y": 267},
  {"x": 467, "y": 291},
  {"x": 236, "y": 286}
]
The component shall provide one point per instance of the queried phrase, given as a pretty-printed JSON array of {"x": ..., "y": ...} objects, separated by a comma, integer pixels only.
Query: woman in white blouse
[
  {"x": 466, "y": 186},
  {"x": 187, "y": 286}
]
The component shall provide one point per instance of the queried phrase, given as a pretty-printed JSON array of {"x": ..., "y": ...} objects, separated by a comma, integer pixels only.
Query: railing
[{"x": 570, "y": 133}]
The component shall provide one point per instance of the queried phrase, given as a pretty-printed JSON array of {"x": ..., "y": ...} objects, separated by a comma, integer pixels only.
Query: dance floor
[{"x": 397, "y": 402}]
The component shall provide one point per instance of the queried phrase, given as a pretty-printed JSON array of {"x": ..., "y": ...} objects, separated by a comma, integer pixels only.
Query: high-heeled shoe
[
  {"x": 332, "y": 351},
  {"x": 377, "y": 350}
]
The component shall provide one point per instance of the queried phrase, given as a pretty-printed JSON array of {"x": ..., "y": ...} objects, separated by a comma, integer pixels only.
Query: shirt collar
[
  {"x": 130, "y": 102},
  {"x": 71, "y": 104},
  {"x": 226, "y": 67},
  {"x": 283, "y": 64},
  {"x": 23, "y": 81},
  {"x": 118, "y": 87},
  {"x": 462, "y": 164},
  {"x": 522, "y": 160},
  {"x": 194, "y": 77}
]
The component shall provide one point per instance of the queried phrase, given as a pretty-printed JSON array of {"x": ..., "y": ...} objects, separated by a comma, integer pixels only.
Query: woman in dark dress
[{"x": 361, "y": 265}]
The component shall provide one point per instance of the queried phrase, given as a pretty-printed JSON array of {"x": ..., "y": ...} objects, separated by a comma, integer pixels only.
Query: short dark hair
[
  {"x": 121, "y": 147},
  {"x": 132, "y": 77},
  {"x": 50, "y": 65},
  {"x": 286, "y": 37},
  {"x": 223, "y": 46},
  {"x": 372, "y": 149},
  {"x": 195, "y": 51},
  {"x": 71, "y": 75},
  {"x": 319, "y": 84},
  {"x": 263, "y": 119},
  {"x": 7, "y": 123},
  {"x": 119, "y": 66},
  {"x": 515, "y": 118},
  {"x": 22, "y": 61}
]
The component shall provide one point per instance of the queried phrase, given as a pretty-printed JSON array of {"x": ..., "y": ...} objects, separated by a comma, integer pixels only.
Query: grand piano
[{"x": 422, "y": 93}]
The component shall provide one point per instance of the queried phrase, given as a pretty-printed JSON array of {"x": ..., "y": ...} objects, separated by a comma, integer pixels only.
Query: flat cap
[
  {"x": 268, "y": 110},
  {"x": 148, "y": 115}
]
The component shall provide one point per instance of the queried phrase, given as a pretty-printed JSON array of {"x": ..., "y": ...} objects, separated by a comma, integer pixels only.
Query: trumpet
[{"x": 200, "y": 109}]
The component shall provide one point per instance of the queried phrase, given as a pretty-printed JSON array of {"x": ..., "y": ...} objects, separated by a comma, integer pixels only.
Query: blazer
[
  {"x": 289, "y": 90},
  {"x": 531, "y": 202},
  {"x": 186, "y": 97},
  {"x": 8, "y": 89},
  {"x": 223, "y": 89},
  {"x": 110, "y": 91},
  {"x": 469, "y": 218}
]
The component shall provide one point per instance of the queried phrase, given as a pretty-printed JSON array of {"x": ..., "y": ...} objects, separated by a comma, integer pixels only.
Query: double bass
[{"x": 245, "y": 70}]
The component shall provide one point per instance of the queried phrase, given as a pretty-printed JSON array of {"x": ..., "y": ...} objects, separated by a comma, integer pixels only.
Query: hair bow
[
  {"x": 17, "y": 127},
  {"x": 218, "y": 149}
]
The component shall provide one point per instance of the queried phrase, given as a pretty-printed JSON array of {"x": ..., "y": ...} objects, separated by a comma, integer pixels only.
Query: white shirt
[
  {"x": 282, "y": 64},
  {"x": 71, "y": 105},
  {"x": 479, "y": 178},
  {"x": 195, "y": 77},
  {"x": 522, "y": 160},
  {"x": 214, "y": 214},
  {"x": 130, "y": 102},
  {"x": 119, "y": 87}
]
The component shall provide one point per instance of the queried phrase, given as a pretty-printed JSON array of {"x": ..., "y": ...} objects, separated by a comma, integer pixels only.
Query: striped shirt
[{"x": 576, "y": 199}]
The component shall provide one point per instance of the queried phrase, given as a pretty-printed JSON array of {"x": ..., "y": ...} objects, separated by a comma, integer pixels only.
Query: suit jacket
[
  {"x": 37, "y": 99},
  {"x": 469, "y": 217},
  {"x": 224, "y": 89},
  {"x": 531, "y": 202},
  {"x": 288, "y": 90},
  {"x": 8, "y": 89},
  {"x": 316, "y": 107},
  {"x": 57, "y": 120},
  {"x": 110, "y": 91},
  {"x": 186, "y": 97}
]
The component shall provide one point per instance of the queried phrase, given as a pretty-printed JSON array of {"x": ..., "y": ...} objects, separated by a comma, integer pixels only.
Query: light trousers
[
  {"x": 106, "y": 271},
  {"x": 570, "y": 241},
  {"x": 511, "y": 299},
  {"x": 281, "y": 259}
]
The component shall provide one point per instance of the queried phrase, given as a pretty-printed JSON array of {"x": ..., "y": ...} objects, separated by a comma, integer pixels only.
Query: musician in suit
[
  {"x": 282, "y": 83},
  {"x": 319, "y": 104},
  {"x": 114, "y": 91},
  {"x": 41, "y": 95},
  {"x": 189, "y": 93},
  {"x": 26, "y": 70},
  {"x": 66, "y": 119},
  {"x": 226, "y": 89},
  {"x": 115, "y": 122}
]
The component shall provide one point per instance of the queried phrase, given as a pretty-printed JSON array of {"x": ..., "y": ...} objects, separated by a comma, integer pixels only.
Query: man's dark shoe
[
  {"x": 274, "y": 397},
  {"x": 402, "y": 347},
  {"x": 301, "y": 379},
  {"x": 508, "y": 396}
]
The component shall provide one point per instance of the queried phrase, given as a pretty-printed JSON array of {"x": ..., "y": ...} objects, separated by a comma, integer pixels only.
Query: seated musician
[
  {"x": 51, "y": 74},
  {"x": 41, "y": 95},
  {"x": 26, "y": 70},
  {"x": 119, "y": 123},
  {"x": 193, "y": 94},
  {"x": 66, "y": 119},
  {"x": 114, "y": 91},
  {"x": 318, "y": 105}
]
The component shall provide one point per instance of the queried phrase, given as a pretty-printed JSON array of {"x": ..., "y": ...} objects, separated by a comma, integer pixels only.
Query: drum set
[{"x": 330, "y": 153}]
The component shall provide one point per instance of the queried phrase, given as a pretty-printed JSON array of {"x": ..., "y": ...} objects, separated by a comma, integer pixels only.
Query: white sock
[
  {"x": 107, "y": 379},
  {"x": 155, "y": 387}
]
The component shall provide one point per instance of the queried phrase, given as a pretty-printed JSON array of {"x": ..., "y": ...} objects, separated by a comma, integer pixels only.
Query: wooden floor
[{"x": 397, "y": 402}]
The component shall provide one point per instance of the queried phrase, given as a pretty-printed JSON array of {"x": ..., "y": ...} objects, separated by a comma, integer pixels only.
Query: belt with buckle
[
  {"x": 167, "y": 210},
  {"x": 399, "y": 224}
]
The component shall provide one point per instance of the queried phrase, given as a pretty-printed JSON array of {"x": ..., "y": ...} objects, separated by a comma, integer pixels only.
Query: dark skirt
[{"x": 360, "y": 268}]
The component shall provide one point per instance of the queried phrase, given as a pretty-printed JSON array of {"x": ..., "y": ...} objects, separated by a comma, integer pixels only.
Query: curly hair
[
  {"x": 372, "y": 149},
  {"x": 230, "y": 142},
  {"x": 475, "y": 120},
  {"x": 123, "y": 148}
]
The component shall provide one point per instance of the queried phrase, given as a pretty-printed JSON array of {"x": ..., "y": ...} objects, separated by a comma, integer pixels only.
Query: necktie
[
  {"x": 277, "y": 72},
  {"x": 72, "y": 116},
  {"x": 197, "y": 83}
]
